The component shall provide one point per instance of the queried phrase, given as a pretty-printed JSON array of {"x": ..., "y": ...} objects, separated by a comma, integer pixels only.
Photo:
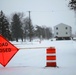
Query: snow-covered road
[{"x": 32, "y": 61}]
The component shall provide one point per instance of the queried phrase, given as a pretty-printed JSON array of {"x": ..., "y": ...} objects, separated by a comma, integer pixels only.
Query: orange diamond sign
[{"x": 7, "y": 51}]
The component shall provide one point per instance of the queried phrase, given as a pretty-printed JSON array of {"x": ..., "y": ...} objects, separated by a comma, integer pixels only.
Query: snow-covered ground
[{"x": 31, "y": 59}]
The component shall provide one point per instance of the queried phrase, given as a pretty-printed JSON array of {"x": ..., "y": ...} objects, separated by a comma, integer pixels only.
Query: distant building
[{"x": 62, "y": 31}]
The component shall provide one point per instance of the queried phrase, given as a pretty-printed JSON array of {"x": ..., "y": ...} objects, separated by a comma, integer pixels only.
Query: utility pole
[{"x": 30, "y": 36}]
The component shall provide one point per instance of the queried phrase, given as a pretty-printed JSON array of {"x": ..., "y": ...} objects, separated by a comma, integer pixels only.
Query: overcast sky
[{"x": 43, "y": 12}]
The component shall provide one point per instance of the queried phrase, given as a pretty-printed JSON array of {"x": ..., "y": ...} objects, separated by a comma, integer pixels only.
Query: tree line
[{"x": 22, "y": 28}]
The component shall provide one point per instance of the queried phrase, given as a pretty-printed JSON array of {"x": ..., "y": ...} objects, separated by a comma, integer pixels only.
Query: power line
[{"x": 50, "y": 11}]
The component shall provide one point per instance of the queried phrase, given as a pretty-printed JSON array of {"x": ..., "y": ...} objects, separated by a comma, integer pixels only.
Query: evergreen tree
[
  {"x": 72, "y": 4},
  {"x": 16, "y": 27},
  {"x": 4, "y": 26}
]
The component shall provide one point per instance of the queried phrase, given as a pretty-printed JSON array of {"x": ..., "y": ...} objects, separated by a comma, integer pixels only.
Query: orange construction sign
[{"x": 7, "y": 51}]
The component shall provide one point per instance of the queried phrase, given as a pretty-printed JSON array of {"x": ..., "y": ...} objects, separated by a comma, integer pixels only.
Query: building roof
[{"x": 62, "y": 24}]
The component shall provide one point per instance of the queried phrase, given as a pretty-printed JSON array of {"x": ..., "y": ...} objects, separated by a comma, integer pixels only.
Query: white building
[{"x": 63, "y": 31}]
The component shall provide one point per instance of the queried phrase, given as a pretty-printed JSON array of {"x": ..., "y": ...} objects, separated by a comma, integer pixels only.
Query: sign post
[{"x": 7, "y": 51}]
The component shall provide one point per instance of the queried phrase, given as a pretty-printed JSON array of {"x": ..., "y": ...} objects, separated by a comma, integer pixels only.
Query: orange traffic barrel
[{"x": 51, "y": 57}]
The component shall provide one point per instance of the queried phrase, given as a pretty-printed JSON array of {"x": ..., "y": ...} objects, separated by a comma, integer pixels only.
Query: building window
[
  {"x": 56, "y": 28},
  {"x": 57, "y": 33},
  {"x": 66, "y": 33},
  {"x": 66, "y": 28}
]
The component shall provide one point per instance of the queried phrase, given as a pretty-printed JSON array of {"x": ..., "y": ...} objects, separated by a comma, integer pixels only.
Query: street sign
[{"x": 7, "y": 51}]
